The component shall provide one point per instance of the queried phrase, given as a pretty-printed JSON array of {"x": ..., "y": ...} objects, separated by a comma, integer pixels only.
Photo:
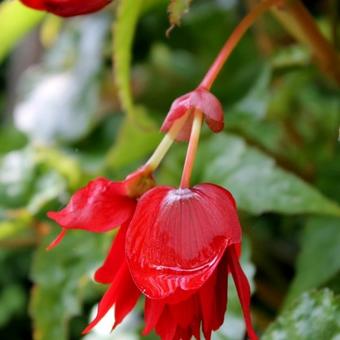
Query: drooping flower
[
  {"x": 67, "y": 8},
  {"x": 200, "y": 99},
  {"x": 180, "y": 246},
  {"x": 177, "y": 250}
]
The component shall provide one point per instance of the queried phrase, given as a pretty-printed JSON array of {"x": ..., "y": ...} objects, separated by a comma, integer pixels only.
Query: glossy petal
[
  {"x": 213, "y": 299},
  {"x": 116, "y": 257},
  {"x": 185, "y": 317},
  {"x": 153, "y": 310},
  {"x": 199, "y": 99},
  {"x": 100, "y": 206},
  {"x": 243, "y": 289},
  {"x": 178, "y": 236},
  {"x": 123, "y": 294},
  {"x": 166, "y": 327},
  {"x": 67, "y": 8}
]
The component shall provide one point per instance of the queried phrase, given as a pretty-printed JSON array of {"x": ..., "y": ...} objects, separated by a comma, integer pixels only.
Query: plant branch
[{"x": 299, "y": 22}]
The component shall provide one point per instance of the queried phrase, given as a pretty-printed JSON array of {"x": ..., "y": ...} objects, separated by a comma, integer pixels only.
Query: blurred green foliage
[{"x": 279, "y": 156}]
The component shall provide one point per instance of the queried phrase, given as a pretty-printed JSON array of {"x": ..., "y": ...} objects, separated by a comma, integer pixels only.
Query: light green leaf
[
  {"x": 257, "y": 183},
  {"x": 319, "y": 260},
  {"x": 124, "y": 32},
  {"x": 176, "y": 9},
  {"x": 15, "y": 21},
  {"x": 314, "y": 316},
  {"x": 48, "y": 187},
  {"x": 17, "y": 174},
  {"x": 124, "y": 29},
  {"x": 15, "y": 223},
  {"x": 135, "y": 140}
]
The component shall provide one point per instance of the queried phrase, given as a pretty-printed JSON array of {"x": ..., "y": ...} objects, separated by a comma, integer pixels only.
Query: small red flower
[
  {"x": 177, "y": 250},
  {"x": 67, "y": 8},
  {"x": 199, "y": 99}
]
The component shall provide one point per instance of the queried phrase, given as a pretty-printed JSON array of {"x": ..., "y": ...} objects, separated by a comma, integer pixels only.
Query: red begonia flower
[
  {"x": 199, "y": 99},
  {"x": 178, "y": 236},
  {"x": 177, "y": 250},
  {"x": 180, "y": 246},
  {"x": 67, "y": 8}
]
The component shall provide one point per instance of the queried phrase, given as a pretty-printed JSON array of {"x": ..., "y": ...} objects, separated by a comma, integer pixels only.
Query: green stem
[{"x": 165, "y": 144}]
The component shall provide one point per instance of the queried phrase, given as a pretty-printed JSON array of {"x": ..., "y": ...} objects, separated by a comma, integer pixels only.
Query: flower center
[{"x": 178, "y": 195}]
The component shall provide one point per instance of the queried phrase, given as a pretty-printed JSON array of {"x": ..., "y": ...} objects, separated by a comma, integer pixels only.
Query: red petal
[
  {"x": 107, "y": 272},
  {"x": 243, "y": 289},
  {"x": 166, "y": 327},
  {"x": 35, "y": 4},
  {"x": 178, "y": 236},
  {"x": 211, "y": 107},
  {"x": 57, "y": 240},
  {"x": 185, "y": 312},
  {"x": 199, "y": 99},
  {"x": 100, "y": 206},
  {"x": 152, "y": 312},
  {"x": 213, "y": 299},
  {"x": 127, "y": 297},
  {"x": 122, "y": 293},
  {"x": 67, "y": 8}
]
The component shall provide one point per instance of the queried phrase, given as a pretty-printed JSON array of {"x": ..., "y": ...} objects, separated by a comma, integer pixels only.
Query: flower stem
[
  {"x": 234, "y": 39},
  {"x": 158, "y": 155},
  {"x": 192, "y": 149},
  {"x": 297, "y": 20},
  {"x": 165, "y": 144}
]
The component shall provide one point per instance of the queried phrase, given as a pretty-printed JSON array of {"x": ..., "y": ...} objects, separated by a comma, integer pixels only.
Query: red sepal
[
  {"x": 67, "y": 8},
  {"x": 116, "y": 257},
  {"x": 199, "y": 99},
  {"x": 243, "y": 289},
  {"x": 100, "y": 206},
  {"x": 123, "y": 294},
  {"x": 178, "y": 236}
]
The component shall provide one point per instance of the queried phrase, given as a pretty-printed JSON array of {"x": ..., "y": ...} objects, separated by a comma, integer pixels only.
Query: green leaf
[
  {"x": 20, "y": 221},
  {"x": 257, "y": 182},
  {"x": 17, "y": 173},
  {"x": 254, "y": 104},
  {"x": 176, "y": 9},
  {"x": 314, "y": 316},
  {"x": 124, "y": 29},
  {"x": 61, "y": 275},
  {"x": 12, "y": 302},
  {"x": 319, "y": 260},
  {"x": 15, "y": 21},
  {"x": 49, "y": 186},
  {"x": 124, "y": 32},
  {"x": 135, "y": 140}
]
